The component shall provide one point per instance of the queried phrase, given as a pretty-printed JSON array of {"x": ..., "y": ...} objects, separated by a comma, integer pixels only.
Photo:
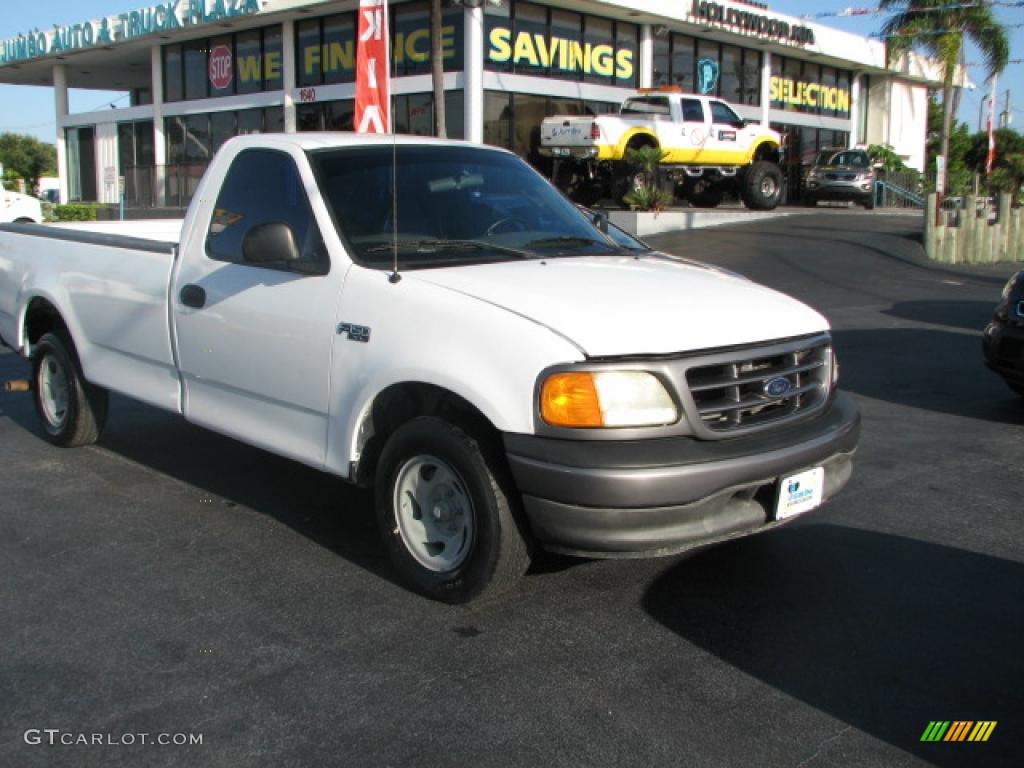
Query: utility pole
[{"x": 1006, "y": 116}]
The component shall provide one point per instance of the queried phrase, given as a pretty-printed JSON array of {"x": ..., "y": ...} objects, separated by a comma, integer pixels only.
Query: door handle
[{"x": 192, "y": 296}]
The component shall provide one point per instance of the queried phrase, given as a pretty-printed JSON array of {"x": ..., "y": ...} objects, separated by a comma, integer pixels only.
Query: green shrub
[
  {"x": 75, "y": 212},
  {"x": 648, "y": 199}
]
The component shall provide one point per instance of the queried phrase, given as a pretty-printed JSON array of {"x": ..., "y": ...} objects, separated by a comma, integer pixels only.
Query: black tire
[
  {"x": 761, "y": 187},
  {"x": 710, "y": 196},
  {"x": 24, "y": 220},
  {"x": 468, "y": 480},
  {"x": 1017, "y": 388},
  {"x": 869, "y": 204},
  {"x": 73, "y": 412},
  {"x": 810, "y": 202}
]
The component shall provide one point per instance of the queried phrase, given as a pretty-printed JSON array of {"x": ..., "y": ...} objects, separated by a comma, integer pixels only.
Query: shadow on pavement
[
  {"x": 925, "y": 368},
  {"x": 882, "y": 632},
  {"x": 968, "y": 315}
]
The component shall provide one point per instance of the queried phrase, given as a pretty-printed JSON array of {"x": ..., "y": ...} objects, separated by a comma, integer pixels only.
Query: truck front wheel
[
  {"x": 445, "y": 514},
  {"x": 761, "y": 187},
  {"x": 72, "y": 410}
]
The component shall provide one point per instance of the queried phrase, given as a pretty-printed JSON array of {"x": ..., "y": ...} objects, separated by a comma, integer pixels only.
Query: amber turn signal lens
[{"x": 570, "y": 400}]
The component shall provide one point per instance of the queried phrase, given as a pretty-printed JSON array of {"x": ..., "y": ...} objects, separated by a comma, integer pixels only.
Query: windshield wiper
[
  {"x": 573, "y": 242},
  {"x": 431, "y": 246}
]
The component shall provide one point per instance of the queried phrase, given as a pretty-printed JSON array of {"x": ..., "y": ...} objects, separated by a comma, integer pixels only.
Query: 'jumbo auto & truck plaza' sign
[{"x": 162, "y": 17}]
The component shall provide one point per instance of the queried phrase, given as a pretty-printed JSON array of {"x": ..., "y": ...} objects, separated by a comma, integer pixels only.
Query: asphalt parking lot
[{"x": 172, "y": 581}]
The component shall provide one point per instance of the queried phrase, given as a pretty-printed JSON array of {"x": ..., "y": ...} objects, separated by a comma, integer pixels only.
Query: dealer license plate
[{"x": 800, "y": 493}]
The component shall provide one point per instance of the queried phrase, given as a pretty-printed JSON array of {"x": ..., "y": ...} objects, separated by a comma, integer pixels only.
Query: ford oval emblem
[{"x": 777, "y": 387}]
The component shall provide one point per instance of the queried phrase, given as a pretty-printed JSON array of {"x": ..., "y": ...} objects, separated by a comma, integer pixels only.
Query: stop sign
[{"x": 221, "y": 71}]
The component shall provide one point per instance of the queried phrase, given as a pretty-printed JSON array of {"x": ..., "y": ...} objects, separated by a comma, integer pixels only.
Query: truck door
[
  {"x": 727, "y": 139},
  {"x": 254, "y": 304},
  {"x": 693, "y": 133}
]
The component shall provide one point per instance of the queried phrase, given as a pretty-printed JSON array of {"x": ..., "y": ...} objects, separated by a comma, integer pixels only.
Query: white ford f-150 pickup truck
[{"x": 466, "y": 340}]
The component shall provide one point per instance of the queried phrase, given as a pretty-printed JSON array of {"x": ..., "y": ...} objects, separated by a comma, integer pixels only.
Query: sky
[{"x": 30, "y": 110}]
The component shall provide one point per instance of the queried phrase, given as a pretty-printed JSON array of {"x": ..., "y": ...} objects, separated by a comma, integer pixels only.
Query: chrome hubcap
[
  {"x": 53, "y": 391},
  {"x": 434, "y": 512},
  {"x": 768, "y": 186}
]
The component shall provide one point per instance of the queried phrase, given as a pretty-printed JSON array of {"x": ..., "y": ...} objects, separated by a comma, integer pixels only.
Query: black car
[
  {"x": 1003, "y": 341},
  {"x": 841, "y": 174}
]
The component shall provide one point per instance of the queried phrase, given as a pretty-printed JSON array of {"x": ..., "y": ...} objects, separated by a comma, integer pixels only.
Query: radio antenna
[{"x": 394, "y": 277}]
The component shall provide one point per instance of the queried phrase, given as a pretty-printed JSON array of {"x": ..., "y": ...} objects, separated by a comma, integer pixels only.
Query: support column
[
  {"x": 766, "y": 89},
  {"x": 156, "y": 86},
  {"x": 473, "y": 62},
  {"x": 289, "y": 75},
  {"x": 855, "y": 109},
  {"x": 646, "y": 56},
  {"x": 60, "y": 99}
]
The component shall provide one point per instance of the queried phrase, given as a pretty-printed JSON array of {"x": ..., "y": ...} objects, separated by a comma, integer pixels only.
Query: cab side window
[
  {"x": 264, "y": 187},
  {"x": 721, "y": 113},
  {"x": 693, "y": 111}
]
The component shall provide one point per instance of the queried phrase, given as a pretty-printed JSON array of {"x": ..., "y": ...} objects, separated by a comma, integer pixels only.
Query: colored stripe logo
[{"x": 958, "y": 730}]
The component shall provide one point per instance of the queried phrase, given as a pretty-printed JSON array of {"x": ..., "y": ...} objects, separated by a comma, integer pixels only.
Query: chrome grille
[{"x": 758, "y": 387}]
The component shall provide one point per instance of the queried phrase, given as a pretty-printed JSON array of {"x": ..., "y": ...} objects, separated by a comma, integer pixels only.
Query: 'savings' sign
[{"x": 163, "y": 17}]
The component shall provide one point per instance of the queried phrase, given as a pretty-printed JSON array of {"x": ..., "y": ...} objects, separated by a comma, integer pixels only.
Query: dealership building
[{"x": 200, "y": 71}]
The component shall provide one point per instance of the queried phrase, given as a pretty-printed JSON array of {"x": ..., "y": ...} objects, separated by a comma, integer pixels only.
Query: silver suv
[{"x": 841, "y": 174}]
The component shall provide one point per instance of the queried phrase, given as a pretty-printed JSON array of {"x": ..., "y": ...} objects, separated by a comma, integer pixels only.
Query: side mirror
[
  {"x": 273, "y": 242},
  {"x": 600, "y": 219}
]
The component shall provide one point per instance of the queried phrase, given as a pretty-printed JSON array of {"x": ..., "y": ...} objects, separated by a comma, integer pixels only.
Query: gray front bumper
[{"x": 652, "y": 497}]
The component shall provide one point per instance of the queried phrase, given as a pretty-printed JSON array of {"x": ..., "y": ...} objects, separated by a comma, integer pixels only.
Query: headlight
[
  {"x": 606, "y": 399},
  {"x": 812, "y": 175}
]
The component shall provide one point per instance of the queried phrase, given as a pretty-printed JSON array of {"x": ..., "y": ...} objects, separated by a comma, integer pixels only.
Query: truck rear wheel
[
  {"x": 445, "y": 514},
  {"x": 761, "y": 187},
  {"x": 72, "y": 411}
]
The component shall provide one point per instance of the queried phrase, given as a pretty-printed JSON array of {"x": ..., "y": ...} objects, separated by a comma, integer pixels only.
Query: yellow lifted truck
[{"x": 709, "y": 149}]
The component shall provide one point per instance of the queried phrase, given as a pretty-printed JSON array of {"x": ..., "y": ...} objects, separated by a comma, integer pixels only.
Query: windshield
[
  {"x": 454, "y": 204},
  {"x": 851, "y": 159}
]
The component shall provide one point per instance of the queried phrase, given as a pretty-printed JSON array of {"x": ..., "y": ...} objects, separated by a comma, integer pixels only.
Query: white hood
[{"x": 613, "y": 306}]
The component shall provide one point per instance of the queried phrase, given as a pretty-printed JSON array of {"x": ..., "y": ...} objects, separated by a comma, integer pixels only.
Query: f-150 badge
[{"x": 354, "y": 332}]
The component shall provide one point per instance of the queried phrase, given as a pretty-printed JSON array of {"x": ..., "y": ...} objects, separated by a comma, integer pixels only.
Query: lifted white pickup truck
[
  {"x": 468, "y": 341},
  {"x": 708, "y": 150}
]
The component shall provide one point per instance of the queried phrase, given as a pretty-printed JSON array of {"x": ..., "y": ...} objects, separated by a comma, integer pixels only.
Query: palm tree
[
  {"x": 437, "y": 68},
  {"x": 939, "y": 27}
]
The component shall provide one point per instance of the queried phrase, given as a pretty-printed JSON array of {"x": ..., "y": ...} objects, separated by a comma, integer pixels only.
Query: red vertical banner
[{"x": 373, "y": 85}]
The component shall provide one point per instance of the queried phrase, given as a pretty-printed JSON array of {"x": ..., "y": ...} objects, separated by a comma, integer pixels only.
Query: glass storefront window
[
  {"x": 626, "y": 36},
  {"x": 339, "y": 42},
  {"x": 600, "y": 36},
  {"x": 684, "y": 62},
  {"x": 709, "y": 68},
  {"x": 222, "y": 127},
  {"x": 751, "y": 77},
  {"x": 197, "y": 138},
  {"x": 250, "y": 121},
  {"x": 308, "y": 117},
  {"x": 273, "y": 45},
  {"x": 498, "y": 119},
  {"x": 248, "y": 62},
  {"x": 307, "y": 52},
  {"x": 273, "y": 119},
  {"x": 174, "y": 83},
  {"x": 531, "y": 21},
  {"x": 662, "y": 53},
  {"x": 730, "y": 78},
  {"x": 229, "y": 89},
  {"x": 339, "y": 115},
  {"x": 196, "y": 77}
]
